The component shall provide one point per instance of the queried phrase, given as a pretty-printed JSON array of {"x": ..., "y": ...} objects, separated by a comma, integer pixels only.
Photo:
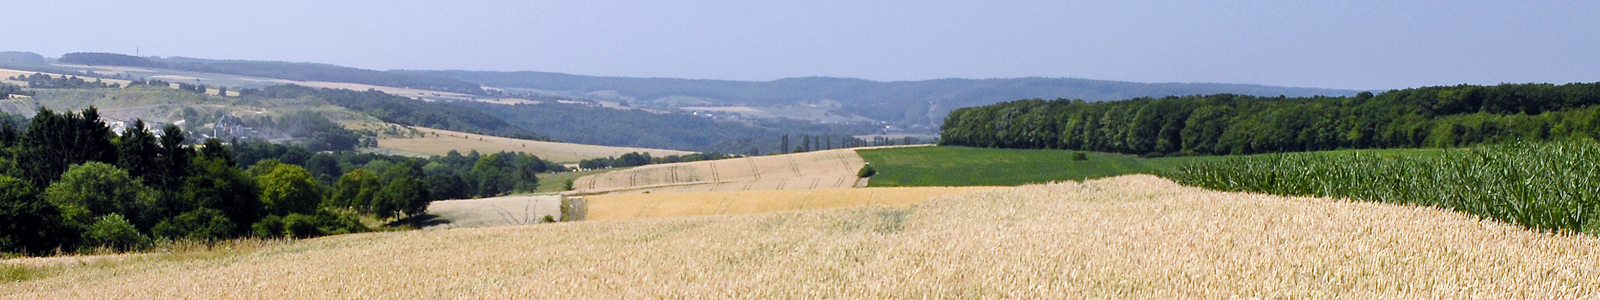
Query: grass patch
[
  {"x": 967, "y": 166},
  {"x": 15, "y": 273},
  {"x": 557, "y": 182}
]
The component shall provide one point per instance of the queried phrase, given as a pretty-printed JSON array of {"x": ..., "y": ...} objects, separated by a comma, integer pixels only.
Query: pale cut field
[
  {"x": 496, "y": 211},
  {"x": 657, "y": 205},
  {"x": 825, "y": 169},
  {"x": 1134, "y": 236},
  {"x": 7, "y": 73},
  {"x": 439, "y": 142}
]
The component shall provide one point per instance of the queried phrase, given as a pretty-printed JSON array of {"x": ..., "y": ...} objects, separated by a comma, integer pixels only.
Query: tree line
[
  {"x": 7, "y": 89},
  {"x": 1444, "y": 116},
  {"x": 45, "y": 81},
  {"x": 68, "y": 183},
  {"x": 634, "y": 159}
]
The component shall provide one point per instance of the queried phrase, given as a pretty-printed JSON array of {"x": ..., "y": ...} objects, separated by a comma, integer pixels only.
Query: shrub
[
  {"x": 339, "y": 222},
  {"x": 866, "y": 171},
  {"x": 203, "y": 224},
  {"x": 113, "y": 231},
  {"x": 300, "y": 226},
  {"x": 1080, "y": 156},
  {"x": 270, "y": 227}
]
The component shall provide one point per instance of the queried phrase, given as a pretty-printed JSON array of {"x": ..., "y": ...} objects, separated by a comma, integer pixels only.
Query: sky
[{"x": 1369, "y": 45}]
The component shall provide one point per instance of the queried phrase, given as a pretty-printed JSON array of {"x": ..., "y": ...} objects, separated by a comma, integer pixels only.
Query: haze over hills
[
  {"x": 924, "y": 102},
  {"x": 689, "y": 114}
]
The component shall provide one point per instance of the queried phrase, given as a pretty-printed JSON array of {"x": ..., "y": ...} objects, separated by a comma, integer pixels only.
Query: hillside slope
[{"x": 1123, "y": 237}]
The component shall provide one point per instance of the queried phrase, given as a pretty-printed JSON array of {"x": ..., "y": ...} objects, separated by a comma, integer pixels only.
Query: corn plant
[{"x": 1546, "y": 186}]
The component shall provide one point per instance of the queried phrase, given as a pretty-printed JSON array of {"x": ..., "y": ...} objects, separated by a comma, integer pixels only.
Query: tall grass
[{"x": 1548, "y": 186}]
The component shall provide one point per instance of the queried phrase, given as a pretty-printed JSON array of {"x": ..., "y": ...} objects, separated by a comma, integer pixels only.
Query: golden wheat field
[
  {"x": 1134, "y": 236},
  {"x": 826, "y": 169},
  {"x": 438, "y": 142},
  {"x": 656, "y": 205}
]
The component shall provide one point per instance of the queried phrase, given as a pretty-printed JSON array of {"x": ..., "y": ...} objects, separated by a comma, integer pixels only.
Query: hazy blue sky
[{"x": 1334, "y": 44}]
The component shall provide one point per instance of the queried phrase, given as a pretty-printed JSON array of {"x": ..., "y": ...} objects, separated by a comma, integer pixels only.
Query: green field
[
  {"x": 557, "y": 182},
  {"x": 967, "y": 166}
]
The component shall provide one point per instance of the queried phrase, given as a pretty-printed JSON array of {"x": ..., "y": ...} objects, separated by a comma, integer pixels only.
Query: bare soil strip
[
  {"x": 627, "y": 206},
  {"x": 827, "y": 169},
  {"x": 497, "y": 211},
  {"x": 439, "y": 142}
]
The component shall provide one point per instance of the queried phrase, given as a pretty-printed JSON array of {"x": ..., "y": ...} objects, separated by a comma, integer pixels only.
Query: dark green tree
[
  {"x": 355, "y": 190},
  {"x": 54, "y": 142},
  {"x": 404, "y": 196},
  {"x": 174, "y": 159},
  {"x": 93, "y": 189},
  {"x": 28, "y": 224},
  {"x": 216, "y": 185},
  {"x": 138, "y": 152},
  {"x": 289, "y": 189}
]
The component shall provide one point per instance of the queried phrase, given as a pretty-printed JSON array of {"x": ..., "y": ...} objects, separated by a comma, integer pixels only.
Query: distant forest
[
  {"x": 282, "y": 70},
  {"x": 1446, "y": 116}
]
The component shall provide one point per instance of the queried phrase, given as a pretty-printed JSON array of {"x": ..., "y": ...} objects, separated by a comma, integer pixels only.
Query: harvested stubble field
[
  {"x": 1133, "y": 236},
  {"x": 439, "y": 142},
  {"x": 497, "y": 211},
  {"x": 657, "y": 205},
  {"x": 826, "y": 169}
]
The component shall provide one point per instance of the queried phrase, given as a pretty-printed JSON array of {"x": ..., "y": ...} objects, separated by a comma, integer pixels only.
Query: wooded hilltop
[{"x": 1444, "y": 116}]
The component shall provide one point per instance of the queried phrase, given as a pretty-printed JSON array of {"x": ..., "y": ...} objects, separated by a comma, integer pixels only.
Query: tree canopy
[{"x": 1233, "y": 124}]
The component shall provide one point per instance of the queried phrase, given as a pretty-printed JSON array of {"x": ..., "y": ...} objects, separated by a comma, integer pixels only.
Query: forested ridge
[
  {"x": 1443, "y": 116},
  {"x": 407, "y": 111},
  {"x": 69, "y": 183}
]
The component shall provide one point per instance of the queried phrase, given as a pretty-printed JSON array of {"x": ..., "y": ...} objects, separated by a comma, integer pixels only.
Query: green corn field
[{"x": 1548, "y": 186}]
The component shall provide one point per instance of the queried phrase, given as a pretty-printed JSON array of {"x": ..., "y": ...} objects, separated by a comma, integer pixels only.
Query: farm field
[
  {"x": 961, "y": 166},
  {"x": 1134, "y": 236},
  {"x": 6, "y": 73},
  {"x": 438, "y": 142},
  {"x": 557, "y": 182},
  {"x": 657, "y": 205},
  {"x": 809, "y": 170},
  {"x": 496, "y": 211},
  {"x": 167, "y": 106}
]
